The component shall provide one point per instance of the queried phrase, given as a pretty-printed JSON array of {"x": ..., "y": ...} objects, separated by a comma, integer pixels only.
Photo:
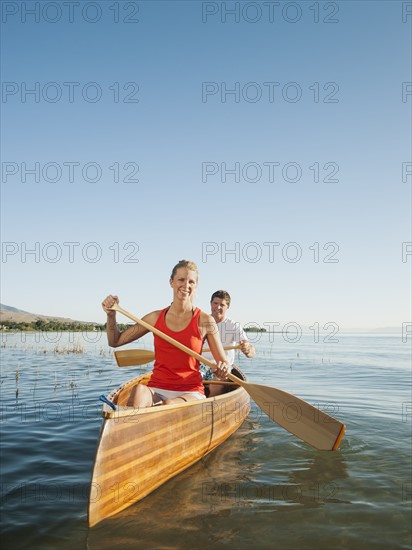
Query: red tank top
[{"x": 174, "y": 369}]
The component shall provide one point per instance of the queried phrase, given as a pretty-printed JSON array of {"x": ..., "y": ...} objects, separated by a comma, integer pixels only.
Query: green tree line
[{"x": 42, "y": 325}]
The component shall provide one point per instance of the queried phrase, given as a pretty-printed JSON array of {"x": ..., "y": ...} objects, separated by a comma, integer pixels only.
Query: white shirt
[{"x": 231, "y": 334}]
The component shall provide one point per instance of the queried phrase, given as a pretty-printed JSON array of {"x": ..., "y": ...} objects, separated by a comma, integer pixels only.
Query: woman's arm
[
  {"x": 209, "y": 329},
  {"x": 115, "y": 338}
]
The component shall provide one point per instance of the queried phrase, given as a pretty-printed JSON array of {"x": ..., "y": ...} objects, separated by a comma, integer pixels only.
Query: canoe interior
[{"x": 139, "y": 450}]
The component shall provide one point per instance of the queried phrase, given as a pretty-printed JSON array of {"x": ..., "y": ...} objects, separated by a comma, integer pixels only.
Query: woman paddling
[{"x": 176, "y": 375}]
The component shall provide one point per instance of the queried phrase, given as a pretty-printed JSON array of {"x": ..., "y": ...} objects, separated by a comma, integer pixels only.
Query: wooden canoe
[{"x": 140, "y": 449}]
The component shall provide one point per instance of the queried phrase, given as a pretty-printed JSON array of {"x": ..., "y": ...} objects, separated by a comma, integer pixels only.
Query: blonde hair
[{"x": 188, "y": 264}]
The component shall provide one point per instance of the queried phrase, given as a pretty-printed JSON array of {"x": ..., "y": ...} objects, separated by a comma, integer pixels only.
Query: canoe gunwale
[{"x": 108, "y": 412}]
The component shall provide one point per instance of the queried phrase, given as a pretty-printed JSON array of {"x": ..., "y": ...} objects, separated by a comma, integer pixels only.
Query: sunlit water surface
[{"x": 261, "y": 489}]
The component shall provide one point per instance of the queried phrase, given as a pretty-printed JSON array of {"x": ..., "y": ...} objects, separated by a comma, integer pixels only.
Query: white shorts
[{"x": 169, "y": 394}]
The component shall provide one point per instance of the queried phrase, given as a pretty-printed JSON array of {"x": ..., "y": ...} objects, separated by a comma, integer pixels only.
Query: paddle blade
[
  {"x": 132, "y": 357},
  {"x": 297, "y": 416}
]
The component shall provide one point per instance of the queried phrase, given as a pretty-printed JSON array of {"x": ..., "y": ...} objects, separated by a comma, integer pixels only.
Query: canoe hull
[{"x": 139, "y": 450}]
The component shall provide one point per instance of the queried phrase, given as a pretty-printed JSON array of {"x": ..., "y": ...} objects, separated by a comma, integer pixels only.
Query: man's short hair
[{"x": 222, "y": 294}]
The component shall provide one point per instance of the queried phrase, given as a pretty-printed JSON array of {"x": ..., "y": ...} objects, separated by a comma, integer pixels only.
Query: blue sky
[{"x": 129, "y": 131}]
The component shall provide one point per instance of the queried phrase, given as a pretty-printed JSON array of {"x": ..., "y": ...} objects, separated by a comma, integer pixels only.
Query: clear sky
[{"x": 270, "y": 142}]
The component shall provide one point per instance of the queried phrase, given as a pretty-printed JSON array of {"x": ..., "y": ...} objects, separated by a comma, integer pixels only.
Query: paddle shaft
[
  {"x": 169, "y": 339},
  {"x": 309, "y": 423},
  {"x": 174, "y": 342}
]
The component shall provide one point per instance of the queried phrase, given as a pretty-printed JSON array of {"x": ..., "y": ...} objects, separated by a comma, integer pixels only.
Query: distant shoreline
[
  {"x": 8, "y": 327},
  {"x": 102, "y": 329}
]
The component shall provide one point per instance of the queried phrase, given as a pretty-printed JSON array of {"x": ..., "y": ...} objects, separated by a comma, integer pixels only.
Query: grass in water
[{"x": 73, "y": 348}]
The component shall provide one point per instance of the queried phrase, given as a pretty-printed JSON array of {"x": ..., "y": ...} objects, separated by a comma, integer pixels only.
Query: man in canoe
[
  {"x": 176, "y": 376},
  {"x": 231, "y": 334}
]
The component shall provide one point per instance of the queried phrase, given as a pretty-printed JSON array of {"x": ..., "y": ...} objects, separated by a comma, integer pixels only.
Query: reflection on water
[{"x": 261, "y": 489}]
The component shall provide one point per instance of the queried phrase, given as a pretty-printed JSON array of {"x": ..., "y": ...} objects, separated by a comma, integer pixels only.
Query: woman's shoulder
[
  {"x": 205, "y": 319},
  {"x": 203, "y": 314},
  {"x": 153, "y": 316}
]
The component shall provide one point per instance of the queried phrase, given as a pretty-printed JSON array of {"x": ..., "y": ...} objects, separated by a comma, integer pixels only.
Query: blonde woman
[{"x": 176, "y": 376}]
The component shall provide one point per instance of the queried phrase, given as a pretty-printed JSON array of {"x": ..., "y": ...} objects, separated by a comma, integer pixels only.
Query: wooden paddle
[
  {"x": 292, "y": 413},
  {"x": 135, "y": 357}
]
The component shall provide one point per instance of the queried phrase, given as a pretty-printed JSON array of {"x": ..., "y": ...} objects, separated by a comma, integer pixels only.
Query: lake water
[{"x": 262, "y": 489}]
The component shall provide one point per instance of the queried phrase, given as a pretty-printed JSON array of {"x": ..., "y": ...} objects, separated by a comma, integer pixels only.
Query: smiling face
[
  {"x": 219, "y": 307},
  {"x": 184, "y": 283}
]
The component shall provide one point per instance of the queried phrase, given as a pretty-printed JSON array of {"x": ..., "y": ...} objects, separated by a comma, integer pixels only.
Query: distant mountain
[
  {"x": 9, "y": 308},
  {"x": 15, "y": 315}
]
